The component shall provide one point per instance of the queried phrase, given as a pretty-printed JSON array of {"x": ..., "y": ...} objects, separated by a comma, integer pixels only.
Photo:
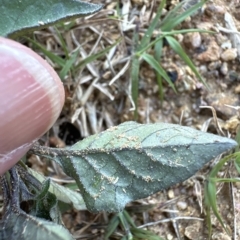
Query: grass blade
[
  {"x": 53, "y": 57},
  {"x": 237, "y": 162},
  {"x": 134, "y": 75},
  {"x": 155, "y": 65},
  {"x": 211, "y": 195},
  {"x": 157, "y": 54},
  {"x": 112, "y": 225},
  {"x": 210, "y": 191},
  {"x": 144, "y": 234},
  {"x": 179, "y": 50},
  {"x": 68, "y": 65},
  {"x": 171, "y": 21},
  {"x": 147, "y": 36},
  {"x": 171, "y": 14},
  {"x": 164, "y": 34},
  {"x": 63, "y": 43},
  {"x": 128, "y": 218}
]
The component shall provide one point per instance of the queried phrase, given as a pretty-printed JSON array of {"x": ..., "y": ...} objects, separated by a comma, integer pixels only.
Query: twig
[{"x": 169, "y": 220}]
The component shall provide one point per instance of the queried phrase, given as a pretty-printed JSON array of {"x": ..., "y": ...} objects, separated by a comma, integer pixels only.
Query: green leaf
[
  {"x": 144, "y": 234},
  {"x": 68, "y": 65},
  {"x": 21, "y": 226},
  {"x": 18, "y": 17},
  {"x": 46, "y": 205},
  {"x": 132, "y": 161},
  {"x": 211, "y": 198},
  {"x": 62, "y": 193},
  {"x": 112, "y": 225}
]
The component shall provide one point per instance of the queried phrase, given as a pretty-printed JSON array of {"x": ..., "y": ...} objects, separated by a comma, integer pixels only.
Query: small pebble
[
  {"x": 203, "y": 69},
  {"x": 182, "y": 205},
  {"x": 214, "y": 65},
  {"x": 229, "y": 54},
  {"x": 171, "y": 194},
  {"x": 196, "y": 40},
  {"x": 205, "y": 25},
  {"x": 233, "y": 76},
  {"x": 219, "y": 101},
  {"x": 214, "y": 9},
  {"x": 224, "y": 68},
  {"x": 212, "y": 54},
  {"x": 179, "y": 37},
  {"x": 170, "y": 236},
  {"x": 226, "y": 45},
  {"x": 192, "y": 40},
  {"x": 220, "y": 236},
  {"x": 237, "y": 89},
  {"x": 192, "y": 231}
]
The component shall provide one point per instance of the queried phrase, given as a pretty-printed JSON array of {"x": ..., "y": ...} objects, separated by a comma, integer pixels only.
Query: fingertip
[
  {"x": 31, "y": 98},
  {"x": 11, "y": 158}
]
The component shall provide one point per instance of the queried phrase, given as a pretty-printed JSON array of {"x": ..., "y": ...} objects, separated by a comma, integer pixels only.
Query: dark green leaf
[
  {"x": 19, "y": 16},
  {"x": 132, "y": 161},
  {"x": 62, "y": 193},
  {"x": 46, "y": 205},
  {"x": 21, "y": 226}
]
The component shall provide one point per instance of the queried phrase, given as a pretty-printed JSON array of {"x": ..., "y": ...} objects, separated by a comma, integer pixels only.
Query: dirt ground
[{"x": 98, "y": 97}]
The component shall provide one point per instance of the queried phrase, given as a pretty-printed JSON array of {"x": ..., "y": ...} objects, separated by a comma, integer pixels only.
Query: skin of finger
[{"x": 31, "y": 99}]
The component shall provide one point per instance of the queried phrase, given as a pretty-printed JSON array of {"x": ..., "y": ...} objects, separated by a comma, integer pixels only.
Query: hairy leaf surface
[
  {"x": 18, "y": 16},
  {"x": 132, "y": 161}
]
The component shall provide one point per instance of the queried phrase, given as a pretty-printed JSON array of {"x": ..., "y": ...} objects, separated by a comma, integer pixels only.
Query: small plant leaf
[
  {"x": 19, "y": 16},
  {"x": 23, "y": 227},
  {"x": 132, "y": 161},
  {"x": 46, "y": 205},
  {"x": 62, "y": 193}
]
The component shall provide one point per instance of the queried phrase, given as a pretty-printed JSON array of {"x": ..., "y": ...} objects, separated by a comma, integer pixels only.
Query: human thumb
[{"x": 31, "y": 99}]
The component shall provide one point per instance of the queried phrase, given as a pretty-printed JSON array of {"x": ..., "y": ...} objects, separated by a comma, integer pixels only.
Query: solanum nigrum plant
[{"x": 112, "y": 168}]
